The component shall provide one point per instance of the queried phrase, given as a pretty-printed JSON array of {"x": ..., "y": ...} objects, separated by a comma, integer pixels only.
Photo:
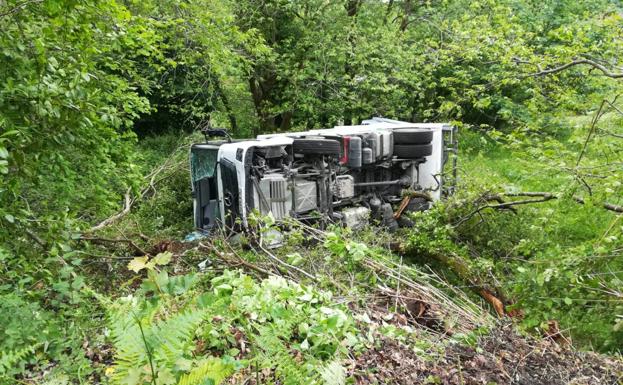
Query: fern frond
[
  {"x": 175, "y": 334},
  {"x": 213, "y": 369},
  {"x": 130, "y": 349},
  {"x": 276, "y": 355},
  {"x": 10, "y": 359}
]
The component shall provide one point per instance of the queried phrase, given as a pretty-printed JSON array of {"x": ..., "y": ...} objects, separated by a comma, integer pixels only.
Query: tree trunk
[
  {"x": 228, "y": 110},
  {"x": 352, "y": 7},
  {"x": 261, "y": 86},
  {"x": 408, "y": 8}
]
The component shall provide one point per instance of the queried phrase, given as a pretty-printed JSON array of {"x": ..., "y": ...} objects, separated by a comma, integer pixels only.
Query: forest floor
[
  {"x": 414, "y": 335},
  {"x": 500, "y": 357}
]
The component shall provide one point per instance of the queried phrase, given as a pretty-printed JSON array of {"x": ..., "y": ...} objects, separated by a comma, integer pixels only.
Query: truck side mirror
[{"x": 216, "y": 132}]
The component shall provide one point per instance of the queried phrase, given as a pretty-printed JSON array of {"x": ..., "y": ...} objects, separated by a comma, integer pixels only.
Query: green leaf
[
  {"x": 163, "y": 258},
  {"x": 333, "y": 374},
  {"x": 137, "y": 264}
]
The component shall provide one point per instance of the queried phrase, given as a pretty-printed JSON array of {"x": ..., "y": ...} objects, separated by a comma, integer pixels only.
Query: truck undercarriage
[{"x": 349, "y": 174}]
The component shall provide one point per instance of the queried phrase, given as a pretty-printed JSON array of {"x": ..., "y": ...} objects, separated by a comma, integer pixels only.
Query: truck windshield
[{"x": 203, "y": 163}]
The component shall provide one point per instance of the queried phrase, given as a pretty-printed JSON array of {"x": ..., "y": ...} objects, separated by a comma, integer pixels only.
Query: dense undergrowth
[{"x": 210, "y": 309}]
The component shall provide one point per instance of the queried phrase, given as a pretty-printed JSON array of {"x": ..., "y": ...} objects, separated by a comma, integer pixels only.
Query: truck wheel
[
  {"x": 413, "y": 151},
  {"x": 417, "y": 204},
  {"x": 412, "y": 136},
  {"x": 316, "y": 146}
]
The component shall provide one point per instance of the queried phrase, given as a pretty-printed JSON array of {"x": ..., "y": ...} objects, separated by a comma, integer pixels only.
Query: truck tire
[
  {"x": 412, "y": 151},
  {"x": 316, "y": 146},
  {"x": 412, "y": 136},
  {"x": 417, "y": 204}
]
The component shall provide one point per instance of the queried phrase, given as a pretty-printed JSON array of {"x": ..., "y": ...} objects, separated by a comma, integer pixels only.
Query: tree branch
[
  {"x": 115, "y": 240},
  {"x": 542, "y": 197},
  {"x": 605, "y": 71},
  {"x": 128, "y": 201},
  {"x": 578, "y": 199},
  {"x": 505, "y": 205},
  {"x": 605, "y": 205},
  {"x": 19, "y": 7}
]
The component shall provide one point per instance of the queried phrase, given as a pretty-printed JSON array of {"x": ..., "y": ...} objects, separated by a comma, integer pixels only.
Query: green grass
[{"x": 558, "y": 258}]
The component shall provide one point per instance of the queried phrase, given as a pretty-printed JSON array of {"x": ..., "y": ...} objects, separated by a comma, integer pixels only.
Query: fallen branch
[
  {"x": 407, "y": 199},
  {"x": 577, "y": 198},
  {"x": 464, "y": 272},
  {"x": 115, "y": 240},
  {"x": 127, "y": 206},
  {"x": 605, "y": 205},
  {"x": 35, "y": 238},
  {"x": 543, "y": 197},
  {"x": 239, "y": 259},
  {"x": 129, "y": 201},
  {"x": 287, "y": 265},
  {"x": 504, "y": 205}
]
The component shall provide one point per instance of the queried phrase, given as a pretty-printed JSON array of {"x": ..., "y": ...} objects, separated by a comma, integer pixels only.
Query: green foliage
[
  {"x": 275, "y": 317},
  {"x": 211, "y": 371},
  {"x": 13, "y": 361},
  {"x": 151, "y": 344},
  {"x": 558, "y": 258},
  {"x": 64, "y": 115}
]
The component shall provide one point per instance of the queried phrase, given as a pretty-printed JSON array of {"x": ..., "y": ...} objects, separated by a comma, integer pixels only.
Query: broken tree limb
[
  {"x": 542, "y": 197},
  {"x": 287, "y": 265},
  {"x": 115, "y": 240},
  {"x": 36, "y": 238},
  {"x": 503, "y": 205},
  {"x": 605, "y": 205},
  {"x": 549, "y": 71},
  {"x": 576, "y": 198},
  {"x": 127, "y": 205},
  {"x": 464, "y": 272},
  {"x": 152, "y": 179},
  {"x": 407, "y": 199},
  {"x": 209, "y": 248}
]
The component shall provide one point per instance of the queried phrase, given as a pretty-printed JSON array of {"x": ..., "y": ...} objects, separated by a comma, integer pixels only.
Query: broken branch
[
  {"x": 604, "y": 70},
  {"x": 128, "y": 201},
  {"x": 577, "y": 198},
  {"x": 115, "y": 240},
  {"x": 544, "y": 197},
  {"x": 504, "y": 205}
]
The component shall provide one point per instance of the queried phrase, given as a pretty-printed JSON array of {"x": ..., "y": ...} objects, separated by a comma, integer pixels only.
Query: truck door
[{"x": 204, "y": 185}]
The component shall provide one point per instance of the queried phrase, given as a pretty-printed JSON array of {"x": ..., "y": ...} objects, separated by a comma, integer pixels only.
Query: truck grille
[{"x": 279, "y": 198}]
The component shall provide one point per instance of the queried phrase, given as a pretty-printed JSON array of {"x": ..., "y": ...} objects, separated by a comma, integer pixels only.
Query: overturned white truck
[{"x": 350, "y": 174}]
